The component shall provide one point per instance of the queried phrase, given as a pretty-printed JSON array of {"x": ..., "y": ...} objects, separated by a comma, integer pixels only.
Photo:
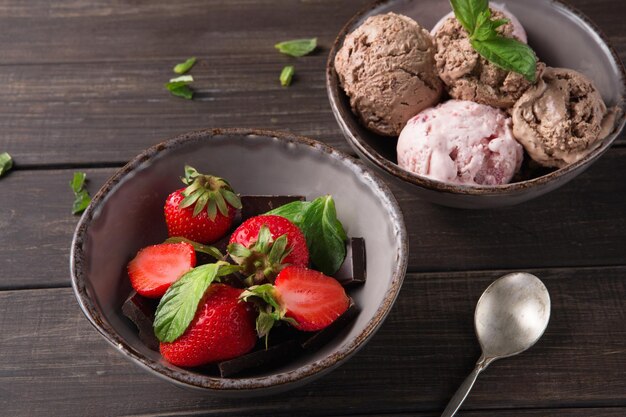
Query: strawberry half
[
  {"x": 222, "y": 329},
  {"x": 204, "y": 210},
  {"x": 156, "y": 267},
  {"x": 264, "y": 245},
  {"x": 305, "y": 298}
]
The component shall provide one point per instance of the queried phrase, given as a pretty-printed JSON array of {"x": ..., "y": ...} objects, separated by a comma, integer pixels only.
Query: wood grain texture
[
  {"x": 413, "y": 364},
  {"x": 86, "y": 86},
  {"x": 582, "y": 224}
]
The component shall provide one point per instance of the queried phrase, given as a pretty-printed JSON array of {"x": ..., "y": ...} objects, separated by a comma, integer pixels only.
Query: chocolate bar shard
[
  {"x": 140, "y": 310},
  {"x": 258, "y": 358},
  {"x": 319, "y": 338},
  {"x": 255, "y": 205},
  {"x": 352, "y": 271}
]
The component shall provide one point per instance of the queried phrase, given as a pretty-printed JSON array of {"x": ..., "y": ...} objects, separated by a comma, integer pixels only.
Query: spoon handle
[{"x": 464, "y": 389}]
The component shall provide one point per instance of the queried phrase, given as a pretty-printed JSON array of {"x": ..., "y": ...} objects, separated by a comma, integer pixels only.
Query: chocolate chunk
[
  {"x": 140, "y": 310},
  {"x": 317, "y": 339},
  {"x": 272, "y": 355},
  {"x": 352, "y": 271},
  {"x": 254, "y": 205}
]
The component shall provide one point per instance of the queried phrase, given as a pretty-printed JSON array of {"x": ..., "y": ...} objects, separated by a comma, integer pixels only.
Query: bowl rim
[
  {"x": 183, "y": 377},
  {"x": 334, "y": 90}
]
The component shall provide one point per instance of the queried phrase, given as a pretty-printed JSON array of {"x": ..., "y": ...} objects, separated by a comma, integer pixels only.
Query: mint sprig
[
  {"x": 324, "y": 233},
  {"x": 178, "y": 306},
  {"x": 81, "y": 195},
  {"x": 297, "y": 47},
  {"x": 506, "y": 53}
]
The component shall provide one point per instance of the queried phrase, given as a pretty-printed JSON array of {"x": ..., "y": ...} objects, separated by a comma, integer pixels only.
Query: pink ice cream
[
  {"x": 518, "y": 29},
  {"x": 461, "y": 142}
]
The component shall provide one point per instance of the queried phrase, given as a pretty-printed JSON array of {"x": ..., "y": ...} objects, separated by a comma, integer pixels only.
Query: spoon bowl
[{"x": 510, "y": 317}]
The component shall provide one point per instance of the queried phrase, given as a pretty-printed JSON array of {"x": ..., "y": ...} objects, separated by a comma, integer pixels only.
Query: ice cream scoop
[
  {"x": 517, "y": 28},
  {"x": 562, "y": 118},
  {"x": 387, "y": 69},
  {"x": 460, "y": 142},
  {"x": 469, "y": 76}
]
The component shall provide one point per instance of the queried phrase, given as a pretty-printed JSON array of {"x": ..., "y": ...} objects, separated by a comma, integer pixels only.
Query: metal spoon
[{"x": 510, "y": 317}]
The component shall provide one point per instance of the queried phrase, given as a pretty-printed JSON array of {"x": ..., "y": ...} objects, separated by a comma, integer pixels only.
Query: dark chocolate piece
[
  {"x": 140, "y": 310},
  {"x": 271, "y": 355},
  {"x": 352, "y": 271},
  {"x": 254, "y": 205},
  {"x": 317, "y": 339}
]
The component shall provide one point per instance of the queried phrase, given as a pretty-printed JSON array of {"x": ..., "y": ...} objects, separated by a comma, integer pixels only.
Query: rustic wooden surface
[{"x": 83, "y": 90}]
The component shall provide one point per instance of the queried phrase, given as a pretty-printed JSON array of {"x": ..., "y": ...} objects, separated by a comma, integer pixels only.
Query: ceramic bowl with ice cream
[{"x": 417, "y": 101}]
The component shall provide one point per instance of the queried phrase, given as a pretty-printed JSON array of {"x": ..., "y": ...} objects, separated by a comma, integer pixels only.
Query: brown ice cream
[
  {"x": 562, "y": 118},
  {"x": 387, "y": 69},
  {"x": 467, "y": 75}
]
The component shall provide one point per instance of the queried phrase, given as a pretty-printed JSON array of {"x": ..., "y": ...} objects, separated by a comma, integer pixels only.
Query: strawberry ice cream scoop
[{"x": 460, "y": 142}]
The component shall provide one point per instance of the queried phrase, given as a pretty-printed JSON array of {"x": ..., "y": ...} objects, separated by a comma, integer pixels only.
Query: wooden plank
[
  {"x": 55, "y": 363},
  {"x": 581, "y": 224},
  {"x": 103, "y": 99},
  {"x": 552, "y": 412}
]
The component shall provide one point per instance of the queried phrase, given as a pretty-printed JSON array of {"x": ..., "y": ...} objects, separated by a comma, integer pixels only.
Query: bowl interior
[
  {"x": 128, "y": 214},
  {"x": 561, "y": 37}
]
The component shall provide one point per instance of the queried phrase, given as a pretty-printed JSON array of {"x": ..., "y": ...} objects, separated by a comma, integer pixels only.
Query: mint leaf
[
  {"x": 286, "y": 75},
  {"x": 468, "y": 11},
  {"x": 508, "y": 54},
  {"x": 294, "y": 211},
  {"x": 81, "y": 196},
  {"x": 6, "y": 163},
  {"x": 179, "y": 86},
  {"x": 183, "y": 67},
  {"x": 178, "y": 306},
  {"x": 297, "y": 47}
]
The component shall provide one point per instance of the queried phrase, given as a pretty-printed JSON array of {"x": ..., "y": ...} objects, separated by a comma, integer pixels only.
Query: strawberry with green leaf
[
  {"x": 264, "y": 245},
  {"x": 204, "y": 210}
]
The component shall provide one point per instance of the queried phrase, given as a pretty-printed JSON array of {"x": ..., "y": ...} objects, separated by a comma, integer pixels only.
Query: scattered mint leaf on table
[
  {"x": 324, "y": 233},
  {"x": 297, "y": 47},
  {"x": 179, "y": 86},
  {"x": 506, "y": 53},
  {"x": 286, "y": 75},
  {"x": 178, "y": 306},
  {"x": 183, "y": 67},
  {"x": 6, "y": 163},
  {"x": 81, "y": 196}
]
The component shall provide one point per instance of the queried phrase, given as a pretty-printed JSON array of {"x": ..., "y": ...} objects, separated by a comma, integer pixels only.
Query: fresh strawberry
[
  {"x": 204, "y": 210},
  {"x": 156, "y": 267},
  {"x": 222, "y": 329},
  {"x": 306, "y": 298},
  {"x": 264, "y": 245}
]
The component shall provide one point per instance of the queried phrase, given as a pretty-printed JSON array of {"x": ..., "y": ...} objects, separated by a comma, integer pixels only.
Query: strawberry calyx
[
  {"x": 267, "y": 300},
  {"x": 263, "y": 260},
  {"x": 207, "y": 191}
]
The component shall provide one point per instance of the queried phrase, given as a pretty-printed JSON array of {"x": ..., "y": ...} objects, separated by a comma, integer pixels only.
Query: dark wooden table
[{"x": 83, "y": 89}]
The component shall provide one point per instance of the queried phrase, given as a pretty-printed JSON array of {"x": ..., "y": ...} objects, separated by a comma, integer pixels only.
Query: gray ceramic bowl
[
  {"x": 562, "y": 37},
  {"x": 127, "y": 214}
]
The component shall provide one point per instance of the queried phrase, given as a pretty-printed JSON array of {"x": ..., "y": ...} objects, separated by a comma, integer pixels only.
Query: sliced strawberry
[
  {"x": 156, "y": 267},
  {"x": 311, "y": 298},
  {"x": 305, "y": 298}
]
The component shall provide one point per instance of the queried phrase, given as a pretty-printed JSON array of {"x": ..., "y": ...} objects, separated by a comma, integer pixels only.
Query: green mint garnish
[
  {"x": 180, "y": 302},
  {"x": 6, "y": 163},
  {"x": 179, "y": 86},
  {"x": 324, "y": 233},
  {"x": 286, "y": 75},
  {"x": 183, "y": 67},
  {"x": 81, "y": 196},
  {"x": 297, "y": 47},
  {"x": 506, "y": 53}
]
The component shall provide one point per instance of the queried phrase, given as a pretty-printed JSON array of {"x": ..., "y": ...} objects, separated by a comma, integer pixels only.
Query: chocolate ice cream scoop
[
  {"x": 469, "y": 76},
  {"x": 562, "y": 118},
  {"x": 387, "y": 69}
]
